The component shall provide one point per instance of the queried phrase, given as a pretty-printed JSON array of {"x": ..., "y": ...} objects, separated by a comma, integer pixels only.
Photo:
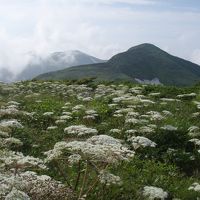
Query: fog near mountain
[
  {"x": 55, "y": 61},
  {"x": 154, "y": 81},
  {"x": 6, "y": 75}
]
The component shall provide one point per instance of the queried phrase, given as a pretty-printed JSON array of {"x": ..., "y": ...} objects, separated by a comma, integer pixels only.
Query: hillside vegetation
[
  {"x": 143, "y": 62},
  {"x": 53, "y": 62},
  {"x": 112, "y": 141}
]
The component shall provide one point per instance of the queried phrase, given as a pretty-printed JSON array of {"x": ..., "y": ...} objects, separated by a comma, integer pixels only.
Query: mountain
[
  {"x": 55, "y": 61},
  {"x": 142, "y": 63}
]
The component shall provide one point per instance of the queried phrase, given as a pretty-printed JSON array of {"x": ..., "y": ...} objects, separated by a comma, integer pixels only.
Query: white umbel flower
[
  {"x": 154, "y": 193},
  {"x": 80, "y": 130},
  {"x": 74, "y": 159},
  {"x": 194, "y": 131},
  {"x": 97, "y": 148},
  {"x": 48, "y": 113},
  {"x": 139, "y": 141},
  {"x": 195, "y": 187},
  {"x": 169, "y": 128},
  {"x": 12, "y": 123},
  {"x": 107, "y": 178},
  {"x": 17, "y": 195}
]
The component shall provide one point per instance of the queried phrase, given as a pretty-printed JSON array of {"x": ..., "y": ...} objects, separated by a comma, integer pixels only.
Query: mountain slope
[
  {"x": 142, "y": 62},
  {"x": 55, "y": 61}
]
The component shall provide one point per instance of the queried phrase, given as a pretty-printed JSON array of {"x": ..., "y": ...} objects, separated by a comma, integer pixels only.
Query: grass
[{"x": 151, "y": 166}]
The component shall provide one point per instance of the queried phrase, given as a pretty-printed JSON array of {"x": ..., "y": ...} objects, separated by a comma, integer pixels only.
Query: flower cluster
[
  {"x": 80, "y": 130},
  {"x": 17, "y": 160},
  {"x": 139, "y": 141},
  {"x": 101, "y": 148},
  {"x": 108, "y": 179},
  {"x": 195, "y": 187},
  {"x": 153, "y": 193},
  {"x": 12, "y": 123},
  {"x": 29, "y": 185}
]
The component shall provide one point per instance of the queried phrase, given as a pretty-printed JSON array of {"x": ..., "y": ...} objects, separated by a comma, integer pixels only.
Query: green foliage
[
  {"x": 139, "y": 173},
  {"x": 173, "y": 165},
  {"x": 145, "y": 62}
]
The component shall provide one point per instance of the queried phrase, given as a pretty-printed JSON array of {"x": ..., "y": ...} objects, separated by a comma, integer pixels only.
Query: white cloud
[
  {"x": 12, "y": 51},
  {"x": 45, "y": 26},
  {"x": 133, "y": 2}
]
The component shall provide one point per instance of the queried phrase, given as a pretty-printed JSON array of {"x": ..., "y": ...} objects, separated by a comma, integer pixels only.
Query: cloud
[
  {"x": 132, "y": 2},
  {"x": 101, "y": 29},
  {"x": 12, "y": 51}
]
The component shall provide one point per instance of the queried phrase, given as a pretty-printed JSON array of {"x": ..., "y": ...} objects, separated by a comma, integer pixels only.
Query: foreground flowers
[
  {"x": 29, "y": 185},
  {"x": 97, "y": 153},
  {"x": 15, "y": 182},
  {"x": 92, "y": 131}
]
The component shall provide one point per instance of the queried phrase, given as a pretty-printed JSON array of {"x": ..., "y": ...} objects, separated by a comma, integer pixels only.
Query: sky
[{"x": 100, "y": 28}]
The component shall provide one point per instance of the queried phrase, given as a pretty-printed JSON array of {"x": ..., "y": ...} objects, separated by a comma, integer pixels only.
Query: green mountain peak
[{"x": 143, "y": 62}]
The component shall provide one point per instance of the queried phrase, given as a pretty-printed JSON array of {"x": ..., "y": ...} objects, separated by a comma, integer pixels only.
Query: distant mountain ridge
[
  {"x": 144, "y": 62},
  {"x": 55, "y": 61}
]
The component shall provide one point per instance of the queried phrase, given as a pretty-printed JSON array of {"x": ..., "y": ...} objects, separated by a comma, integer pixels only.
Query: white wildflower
[
  {"x": 56, "y": 152},
  {"x": 80, "y": 130},
  {"x": 194, "y": 131},
  {"x": 154, "y": 193},
  {"x": 78, "y": 108},
  {"x": 60, "y": 121},
  {"x": 48, "y": 113},
  {"x": 195, "y": 141},
  {"x": 107, "y": 178},
  {"x": 155, "y": 94},
  {"x": 89, "y": 117},
  {"x": 112, "y": 105},
  {"x": 195, "y": 187},
  {"x": 65, "y": 117},
  {"x": 4, "y": 134},
  {"x": 74, "y": 159},
  {"x": 16, "y": 159},
  {"x": 52, "y": 128},
  {"x": 132, "y": 121},
  {"x": 115, "y": 130},
  {"x": 66, "y": 113},
  {"x": 86, "y": 99},
  {"x": 132, "y": 114},
  {"x": 170, "y": 100},
  {"x": 13, "y": 103},
  {"x": 167, "y": 113},
  {"x": 184, "y": 96},
  {"x": 17, "y": 195},
  {"x": 154, "y": 115},
  {"x": 13, "y": 141},
  {"x": 146, "y": 129},
  {"x": 196, "y": 114},
  {"x": 12, "y": 123},
  {"x": 117, "y": 115},
  {"x": 147, "y": 101},
  {"x": 138, "y": 141},
  {"x": 169, "y": 128},
  {"x": 97, "y": 148},
  {"x": 131, "y": 131}
]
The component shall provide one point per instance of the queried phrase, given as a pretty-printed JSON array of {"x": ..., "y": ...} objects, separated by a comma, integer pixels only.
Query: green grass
[{"x": 151, "y": 166}]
